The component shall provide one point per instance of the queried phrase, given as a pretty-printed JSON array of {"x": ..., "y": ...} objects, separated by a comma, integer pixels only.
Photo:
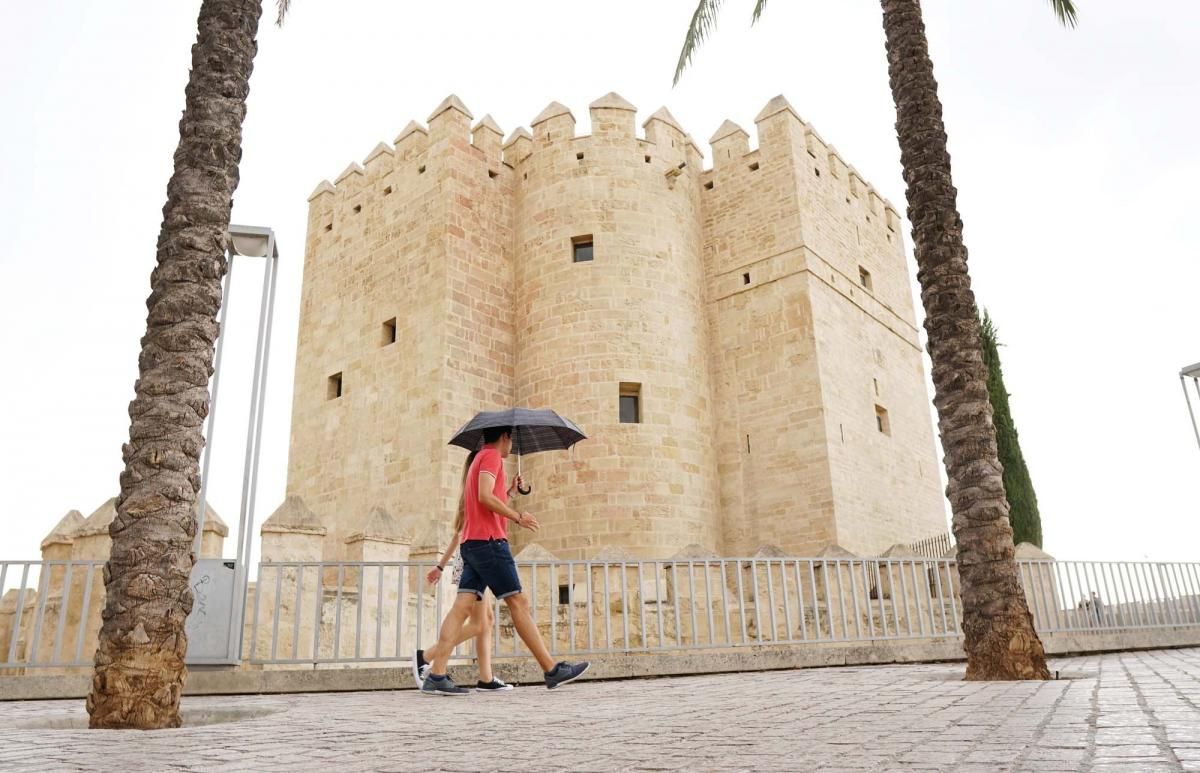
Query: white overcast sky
[{"x": 1075, "y": 155}]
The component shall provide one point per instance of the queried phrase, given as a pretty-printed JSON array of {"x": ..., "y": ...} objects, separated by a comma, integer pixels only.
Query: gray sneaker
[
  {"x": 564, "y": 673},
  {"x": 443, "y": 687}
]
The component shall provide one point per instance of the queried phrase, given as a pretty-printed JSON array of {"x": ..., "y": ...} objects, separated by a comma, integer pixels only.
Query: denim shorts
[{"x": 488, "y": 564}]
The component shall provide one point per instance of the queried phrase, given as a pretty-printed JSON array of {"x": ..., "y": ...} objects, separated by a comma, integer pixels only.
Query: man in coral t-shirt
[{"x": 488, "y": 563}]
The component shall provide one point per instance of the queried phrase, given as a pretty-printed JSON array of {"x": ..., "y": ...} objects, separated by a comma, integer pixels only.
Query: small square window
[
  {"x": 493, "y": 174},
  {"x": 581, "y": 249},
  {"x": 746, "y": 278},
  {"x": 579, "y": 156},
  {"x": 389, "y": 332},
  {"x": 357, "y": 208},
  {"x": 864, "y": 277},
  {"x": 708, "y": 186},
  {"x": 881, "y": 420},
  {"x": 647, "y": 159},
  {"x": 328, "y": 227},
  {"x": 387, "y": 191},
  {"x": 631, "y": 403},
  {"x": 421, "y": 169},
  {"x": 564, "y": 594},
  {"x": 754, "y": 167},
  {"x": 334, "y": 388}
]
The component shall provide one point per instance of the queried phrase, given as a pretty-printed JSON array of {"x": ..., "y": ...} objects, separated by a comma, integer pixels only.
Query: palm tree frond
[
  {"x": 283, "y": 6},
  {"x": 758, "y": 9},
  {"x": 1065, "y": 11},
  {"x": 704, "y": 20}
]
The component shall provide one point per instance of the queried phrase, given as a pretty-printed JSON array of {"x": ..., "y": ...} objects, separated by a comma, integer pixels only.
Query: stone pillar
[
  {"x": 212, "y": 541},
  {"x": 55, "y": 585},
  {"x": 377, "y": 588},
  {"x": 293, "y": 533}
]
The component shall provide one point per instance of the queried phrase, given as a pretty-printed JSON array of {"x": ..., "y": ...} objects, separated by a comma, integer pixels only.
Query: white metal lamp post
[{"x": 1192, "y": 372}]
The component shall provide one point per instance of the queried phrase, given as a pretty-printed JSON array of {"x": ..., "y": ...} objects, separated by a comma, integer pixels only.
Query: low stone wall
[{"x": 249, "y": 680}]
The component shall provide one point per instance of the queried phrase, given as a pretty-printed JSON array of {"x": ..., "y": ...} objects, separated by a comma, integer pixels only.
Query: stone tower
[{"x": 738, "y": 343}]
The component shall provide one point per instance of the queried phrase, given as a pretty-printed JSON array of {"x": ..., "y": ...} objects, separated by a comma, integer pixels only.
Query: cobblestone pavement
[{"x": 1118, "y": 712}]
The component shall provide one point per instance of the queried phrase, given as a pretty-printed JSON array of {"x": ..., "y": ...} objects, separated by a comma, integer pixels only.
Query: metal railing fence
[{"x": 361, "y": 612}]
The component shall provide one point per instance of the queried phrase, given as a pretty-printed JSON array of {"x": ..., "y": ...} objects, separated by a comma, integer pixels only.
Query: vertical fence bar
[
  {"x": 1178, "y": 594},
  {"x": 787, "y": 601},
  {"x": 800, "y": 600},
  {"x": 552, "y": 591},
  {"x": 254, "y": 620},
  {"x": 837, "y": 573},
  {"x": 904, "y": 595},
  {"x": 402, "y": 602},
  {"x": 81, "y": 634},
  {"x": 951, "y": 570},
  {"x": 1107, "y": 612},
  {"x": 337, "y": 614},
  {"x": 868, "y": 584},
  {"x": 692, "y": 601},
  {"x": 641, "y": 602},
  {"x": 1135, "y": 612},
  {"x": 62, "y": 612},
  {"x": 590, "y": 611},
  {"x": 39, "y": 609},
  {"x": 771, "y": 601},
  {"x": 1190, "y": 580},
  {"x": 918, "y": 595},
  {"x": 854, "y": 595},
  {"x": 725, "y": 603},
  {"x": 741, "y": 601},
  {"x": 277, "y": 605},
  {"x": 757, "y": 605},
  {"x": 828, "y": 597},
  {"x": 937, "y": 584},
  {"x": 625, "y": 602},
  {"x": 571, "y": 605},
  {"x": 1146, "y": 580},
  {"x": 892, "y": 592},
  {"x": 658, "y": 603},
  {"x": 1121, "y": 612},
  {"x": 378, "y": 611},
  {"x": 1172, "y": 595},
  {"x": 16, "y": 627},
  {"x": 708, "y": 603},
  {"x": 607, "y": 611},
  {"x": 317, "y": 610},
  {"x": 296, "y": 611}
]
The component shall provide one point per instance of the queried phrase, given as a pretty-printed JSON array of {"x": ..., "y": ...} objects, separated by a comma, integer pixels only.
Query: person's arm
[
  {"x": 435, "y": 573},
  {"x": 487, "y": 498}
]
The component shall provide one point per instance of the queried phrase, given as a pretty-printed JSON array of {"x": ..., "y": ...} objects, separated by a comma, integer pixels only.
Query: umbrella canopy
[{"x": 533, "y": 430}]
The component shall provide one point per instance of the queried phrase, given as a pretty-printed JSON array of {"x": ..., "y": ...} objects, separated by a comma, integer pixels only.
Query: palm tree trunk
[
  {"x": 140, "y": 671},
  {"x": 1000, "y": 640}
]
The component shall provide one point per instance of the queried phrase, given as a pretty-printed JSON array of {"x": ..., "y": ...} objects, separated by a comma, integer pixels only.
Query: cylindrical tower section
[{"x": 612, "y": 333}]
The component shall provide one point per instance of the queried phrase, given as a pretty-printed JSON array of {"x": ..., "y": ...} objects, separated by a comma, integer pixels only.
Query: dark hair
[
  {"x": 460, "y": 515},
  {"x": 492, "y": 434}
]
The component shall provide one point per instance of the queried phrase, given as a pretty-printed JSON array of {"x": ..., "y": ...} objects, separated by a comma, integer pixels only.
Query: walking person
[
  {"x": 482, "y": 620},
  {"x": 488, "y": 565}
]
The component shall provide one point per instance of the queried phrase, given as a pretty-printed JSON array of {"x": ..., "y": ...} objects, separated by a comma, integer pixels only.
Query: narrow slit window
[
  {"x": 816, "y": 171},
  {"x": 357, "y": 208},
  {"x": 387, "y": 191},
  {"x": 631, "y": 403},
  {"x": 493, "y": 174},
  {"x": 334, "y": 388},
  {"x": 564, "y": 594},
  {"x": 421, "y": 169},
  {"x": 581, "y": 249},
  {"x": 754, "y": 167},
  {"x": 708, "y": 186},
  {"x": 746, "y": 278},
  {"x": 329, "y": 227},
  {"x": 881, "y": 420},
  {"x": 864, "y": 277},
  {"x": 647, "y": 159},
  {"x": 389, "y": 332}
]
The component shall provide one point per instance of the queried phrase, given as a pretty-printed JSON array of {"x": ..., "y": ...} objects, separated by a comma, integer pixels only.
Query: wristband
[{"x": 440, "y": 568}]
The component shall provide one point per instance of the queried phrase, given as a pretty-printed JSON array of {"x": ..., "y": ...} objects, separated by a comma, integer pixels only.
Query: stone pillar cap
[{"x": 64, "y": 531}]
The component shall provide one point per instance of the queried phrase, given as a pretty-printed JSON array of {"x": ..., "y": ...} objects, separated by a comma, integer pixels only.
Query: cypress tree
[{"x": 1022, "y": 501}]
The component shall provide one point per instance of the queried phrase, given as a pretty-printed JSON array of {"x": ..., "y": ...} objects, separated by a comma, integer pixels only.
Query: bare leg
[
  {"x": 483, "y": 641},
  {"x": 453, "y": 632},
  {"x": 518, "y": 607}
]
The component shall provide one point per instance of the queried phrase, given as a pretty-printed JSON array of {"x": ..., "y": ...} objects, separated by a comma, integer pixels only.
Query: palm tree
[
  {"x": 1000, "y": 640},
  {"x": 140, "y": 671}
]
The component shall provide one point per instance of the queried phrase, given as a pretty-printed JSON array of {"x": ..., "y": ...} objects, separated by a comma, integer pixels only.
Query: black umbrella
[{"x": 533, "y": 431}]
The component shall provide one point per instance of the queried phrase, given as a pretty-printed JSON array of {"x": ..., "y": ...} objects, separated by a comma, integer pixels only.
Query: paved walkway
[{"x": 1121, "y": 712}]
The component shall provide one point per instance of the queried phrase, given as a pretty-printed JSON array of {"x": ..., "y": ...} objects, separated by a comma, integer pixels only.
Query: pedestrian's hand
[
  {"x": 528, "y": 521},
  {"x": 434, "y": 575}
]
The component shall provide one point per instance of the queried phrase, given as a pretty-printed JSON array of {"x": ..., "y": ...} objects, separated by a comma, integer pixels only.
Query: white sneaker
[{"x": 420, "y": 669}]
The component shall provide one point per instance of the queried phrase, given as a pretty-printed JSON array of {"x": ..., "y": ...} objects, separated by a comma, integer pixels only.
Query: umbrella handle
[{"x": 524, "y": 491}]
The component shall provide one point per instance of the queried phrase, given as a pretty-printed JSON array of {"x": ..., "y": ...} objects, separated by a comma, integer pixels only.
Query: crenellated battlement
[{"x": 782, "y": 135}]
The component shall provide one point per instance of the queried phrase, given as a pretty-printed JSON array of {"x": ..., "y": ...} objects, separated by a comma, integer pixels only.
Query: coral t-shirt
[{"x": 482, "y": 523}]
